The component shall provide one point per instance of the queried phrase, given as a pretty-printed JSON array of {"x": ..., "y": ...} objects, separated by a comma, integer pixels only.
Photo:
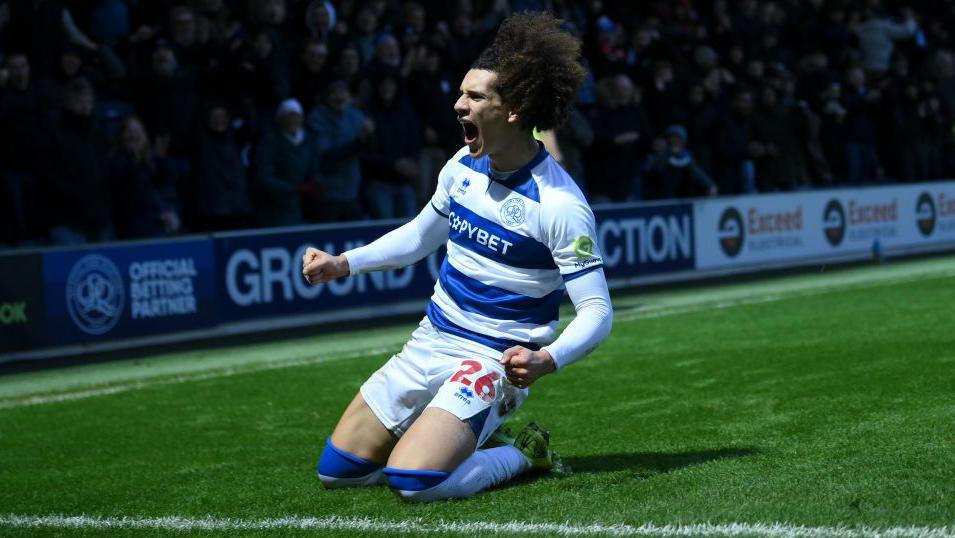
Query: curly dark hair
[{"x": 537, "y": 67}]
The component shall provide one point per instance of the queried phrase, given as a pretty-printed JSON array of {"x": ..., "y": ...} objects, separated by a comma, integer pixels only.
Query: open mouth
[{"x": 471, "y": 131}]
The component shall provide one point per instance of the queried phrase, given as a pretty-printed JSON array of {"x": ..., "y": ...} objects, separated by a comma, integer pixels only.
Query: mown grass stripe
[
  {"x": 214, "y": 374},
  {"x": 705, "y": 304}
]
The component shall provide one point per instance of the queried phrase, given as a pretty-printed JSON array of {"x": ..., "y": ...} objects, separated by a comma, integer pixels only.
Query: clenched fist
[
  {"x": 523, "y": 367},
  {"x": 319, "y": 266}
]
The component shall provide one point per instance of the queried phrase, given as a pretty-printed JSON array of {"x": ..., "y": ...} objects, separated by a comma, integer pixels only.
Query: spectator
[
  {"x": 102, "y": 68},
  {"x": 390, "y": 158},
  {"x": 184, "y": 38},
  {"x": 41, "y": 29},
  {"x": 168, "y": 98},
  {"x": 672, "y": 172},
  {"x": 21, "y": 118},
  {"x": 832, "y": 128},
  {"x": 817, "y": 166},
  {"x": 609, "y": 55},
  {"x": 615, "y": 155},
  {"x": 944, "y": 73},
  {"x": 387, "y": 59},
  {"x": 662, "y": 97},
  {"x": 814, "y": 78},
  {"x": 433, "y": 91},
  {"x": 777, "y": 128},
  {"x": 109, "y": 22},
  {"x": 836, "y": 36},
  {"x": 76, "y": 195},
  {"x": 143, "y": 183},
  {"x": 412, "y": 27},
  {"x": 944, "y": 78},
  {"x": 160, "y": 60},
  {"x": 287, "y": 169},
  {"x": 270, "y": 16},
  {"x": 339, "y": 128},
  {"x": 877, "y": 35},
  {"x": 861, "y": 104},
  {"x": 574, "y": 138},
  {"x": 701, "y": 117},
  {"x": 348, "y": 69},
  {"x": 366, "y": 25},
  {"x": 311, "y": 73},
  {"x": 462, "y": 41},
  {"x": 735, "y": 147},
  {"x": 264, "y": 77},
  {"x": 321, "y": 21},
  {"x": 915, "y": 127},
  {"x": 222, "y": 199}
]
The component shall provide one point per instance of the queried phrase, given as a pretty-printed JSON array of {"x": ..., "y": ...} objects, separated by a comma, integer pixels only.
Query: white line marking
[
  {"x": 644, "y": 313},
  {"x": 213, "y": 374},
  {"x": 175, "y": 523}
]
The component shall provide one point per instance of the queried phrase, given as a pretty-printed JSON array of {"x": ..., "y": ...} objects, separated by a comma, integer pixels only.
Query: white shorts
[{"x": 436, "y": 369}]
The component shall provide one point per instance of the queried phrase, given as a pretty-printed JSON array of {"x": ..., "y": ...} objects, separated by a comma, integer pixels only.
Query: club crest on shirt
[{"x": 512, "y": 212}]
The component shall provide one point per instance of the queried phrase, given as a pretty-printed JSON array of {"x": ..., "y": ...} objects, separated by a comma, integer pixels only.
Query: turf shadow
[
  {"x": 635, "y": 465},
  {"x": 647, "y": 464}
]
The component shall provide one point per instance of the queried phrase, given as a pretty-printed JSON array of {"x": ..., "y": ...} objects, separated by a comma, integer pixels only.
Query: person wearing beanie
[
  {"x": 287, "y": 169},
  {"x": 672, "y": 172}
]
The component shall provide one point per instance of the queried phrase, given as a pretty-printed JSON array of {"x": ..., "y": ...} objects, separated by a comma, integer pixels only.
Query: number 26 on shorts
[{"x": 483, "y": 386}]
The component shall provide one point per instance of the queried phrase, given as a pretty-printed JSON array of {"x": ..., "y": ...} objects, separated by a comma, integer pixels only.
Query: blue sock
[{"x": 338, "y": 469}]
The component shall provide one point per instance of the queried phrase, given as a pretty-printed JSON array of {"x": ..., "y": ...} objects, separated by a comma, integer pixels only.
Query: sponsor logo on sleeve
[
  {"x": 584, "y": 250},
  {"x": 584, "y": 247}
]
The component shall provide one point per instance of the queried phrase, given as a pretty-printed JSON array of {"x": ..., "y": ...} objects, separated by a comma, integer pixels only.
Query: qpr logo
[
  {"x": 834, "y": 222},
  {"x": 732, "y": 232},
  {"x": 94, "y": 294},
  {"x": 925, "y": 214},
  {"x": 512, "y": 212}
]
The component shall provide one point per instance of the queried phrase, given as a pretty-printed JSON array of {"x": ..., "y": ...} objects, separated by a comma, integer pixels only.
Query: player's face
[{"x": 482, "y": 114}]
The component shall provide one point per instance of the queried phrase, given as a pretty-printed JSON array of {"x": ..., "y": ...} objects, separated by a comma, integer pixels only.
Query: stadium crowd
[{"x": 134, "y": 118}]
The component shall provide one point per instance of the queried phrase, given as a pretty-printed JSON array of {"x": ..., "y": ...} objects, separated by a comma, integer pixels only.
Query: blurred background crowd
[{"x": 124, "y": 119}]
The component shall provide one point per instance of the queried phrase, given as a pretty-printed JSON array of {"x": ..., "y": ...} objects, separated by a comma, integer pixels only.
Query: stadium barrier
[
  {"x": 56, "y": 302},
  {"x": 796, "y": 228}
]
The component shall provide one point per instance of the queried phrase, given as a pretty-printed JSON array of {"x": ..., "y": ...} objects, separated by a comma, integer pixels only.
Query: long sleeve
[
  {"x": 401, "y": 246},
  {"x": 593, "y": 321}
]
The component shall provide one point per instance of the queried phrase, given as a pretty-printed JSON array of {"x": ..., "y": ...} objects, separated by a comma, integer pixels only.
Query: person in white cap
[{"x": 287, "y": 173}]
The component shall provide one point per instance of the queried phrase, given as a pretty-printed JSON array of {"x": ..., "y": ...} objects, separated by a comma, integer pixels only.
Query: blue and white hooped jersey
[{"x": 512, "y": 245}]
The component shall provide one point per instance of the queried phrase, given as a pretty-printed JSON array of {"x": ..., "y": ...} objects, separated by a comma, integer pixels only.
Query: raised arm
[
  {"x": 397, "y": 248},
  {"x": 400, "y": 247}
]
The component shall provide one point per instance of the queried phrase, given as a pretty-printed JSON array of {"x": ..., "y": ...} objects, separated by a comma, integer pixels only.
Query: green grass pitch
[{"x": 821, "y": 400}]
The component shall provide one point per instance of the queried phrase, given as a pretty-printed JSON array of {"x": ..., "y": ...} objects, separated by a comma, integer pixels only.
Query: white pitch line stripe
[
  {"x": 214, "y": 374},
  {"x": 176, "y": 523}
]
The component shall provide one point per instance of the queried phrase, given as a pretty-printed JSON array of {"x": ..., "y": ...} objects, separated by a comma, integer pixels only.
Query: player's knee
[
  {"x": 416, "y": 486},
  {"x": 339, "y": 469}
]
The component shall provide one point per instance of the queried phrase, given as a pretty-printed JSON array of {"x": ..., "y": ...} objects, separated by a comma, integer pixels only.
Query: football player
[{"x": 519, "y": 233}]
